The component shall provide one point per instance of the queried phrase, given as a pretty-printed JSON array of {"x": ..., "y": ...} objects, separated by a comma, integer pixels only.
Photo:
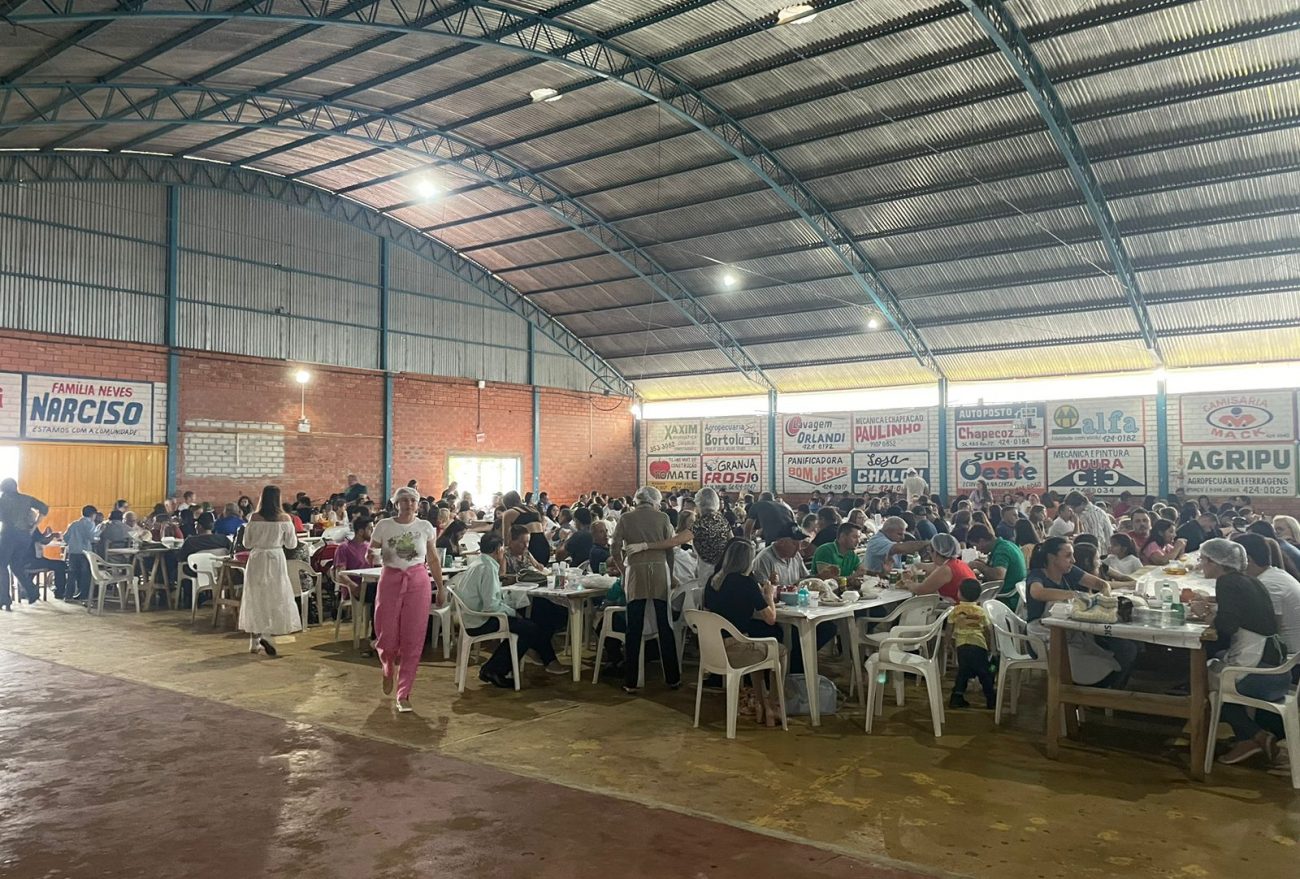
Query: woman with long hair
[
  {"x": 405, "y": 545},
  {"x": 733, "y": 594},
  {"x": 1162, "y": 547},
  {"x": 518, "y": 512},
  {"x": 267, "y": 608}
]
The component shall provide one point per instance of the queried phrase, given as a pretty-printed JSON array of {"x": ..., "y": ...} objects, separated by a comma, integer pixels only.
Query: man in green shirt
[
  {"x": 840, "y": 558},
  {"x": 1006, "y": 562}
]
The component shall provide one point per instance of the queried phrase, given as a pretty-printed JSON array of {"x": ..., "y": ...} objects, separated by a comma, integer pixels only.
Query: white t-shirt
[
  {"x": 1060, "y": 528},
  {"x": 1125, "y": 566},
  {"x": 1284, "y": 592},
  {"x": 402, "y": 546}
]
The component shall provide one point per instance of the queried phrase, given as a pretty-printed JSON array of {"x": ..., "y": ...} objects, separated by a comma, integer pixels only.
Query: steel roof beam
[
  {"x": 24, "y": 168},
  {"x": 135, "y": 104},
  {"x": 546, "y": 39},
  {"x": 1001, "y": 28}
]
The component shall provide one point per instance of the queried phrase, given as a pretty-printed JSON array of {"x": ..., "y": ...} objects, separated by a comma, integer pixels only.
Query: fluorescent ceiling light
[
  {"x": 426, "y": 188},
  {"x": 729, "y": 280},
  {"x": 545, "y": 95},
  {"x": 800, "y": 13}
]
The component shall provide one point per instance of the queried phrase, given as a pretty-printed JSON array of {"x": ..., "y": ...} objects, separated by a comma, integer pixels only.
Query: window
[
  {"x": 8, "y": 462},
  {"x": 483, "y": 477}
]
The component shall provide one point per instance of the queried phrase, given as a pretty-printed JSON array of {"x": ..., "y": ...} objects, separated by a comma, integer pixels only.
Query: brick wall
[
  {"x": 92, "y": 358},
  {"x": 586, "y": 444}
]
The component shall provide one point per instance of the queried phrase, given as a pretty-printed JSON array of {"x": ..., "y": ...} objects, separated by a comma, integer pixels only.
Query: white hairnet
[
  {"x": 707, "y": 500},
  {"x": 1224, "y": 553},
  {"x": 648, "y": 494}
]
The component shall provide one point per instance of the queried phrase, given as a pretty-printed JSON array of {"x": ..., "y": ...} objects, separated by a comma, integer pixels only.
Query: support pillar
[
  {"x": 944, "y": 458},
  {"x": 1162, "y": 435},
  {"x": 537, "y": 410},
  {"x": 771, "y": 442},
  {"x": 171, "y": 335},
  {"x": 386, "y": 367}
]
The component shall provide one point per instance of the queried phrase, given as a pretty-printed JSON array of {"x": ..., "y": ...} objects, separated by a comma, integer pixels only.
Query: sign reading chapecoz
[
  {"x": 818, "y": 433},
  {"x": 1013, "y": 426}
]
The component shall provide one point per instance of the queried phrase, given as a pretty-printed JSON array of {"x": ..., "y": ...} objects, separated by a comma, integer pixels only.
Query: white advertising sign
[
  {"x": 1106, "y": 470},
  {"x": 805, "y": 474},
  {"x": 1001, "y": 469},
  {"x": 726, "y": 435},
  {"x": 823, "y": 432},
  {"x": 672, "y": 437},
  {"x": 882, "y": 470},
  {"x": 891, "y": 429},
  {"x": 1095, "y": 423},
  {"x": 1011, "y": 426},
  {"x": 732, "y": 472},
  {"x": 11, "y": 405},
  {"x": 1256, "y": 471},
  {"x": 1238, "y": 417},
  {"x": 673, "y": 471},
  {"x": 93, "y": 410}
]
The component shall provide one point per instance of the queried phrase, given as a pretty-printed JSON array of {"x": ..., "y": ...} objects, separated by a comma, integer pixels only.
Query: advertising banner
[
  {"x": 11, "y": 405},
  {"x": 726, "y": 435},
  {"x": 91, "y": 410},
  {"x": 672, "y": 437},
  {"x": 1256, "y": 471},
  {"x": 878, "y": 471},
  {"x": 735, "y": 473},
  {"x": 1001, "y": 469},
  {"x": 808, "y": 473},
  {"x": 891, "y": 429},
  {"x": 824, "y": 432},
  {"x": 1238, "y": 417},
  {"x": 1106, "y": 470},
  {"x": 1011, "y": 426},
  {"x": 667, "y": 472},
  {"x": 1093, "y": 423}
]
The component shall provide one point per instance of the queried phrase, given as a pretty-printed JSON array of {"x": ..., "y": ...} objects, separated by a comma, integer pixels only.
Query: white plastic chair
[
  {"x": 297, "y": 570},
  {"x": 105, "y": 576},
  {"x": 1022, "y": 607},
  {"x": 444, "y": 623},
  {"x": 467, "y": 641},
  {"x": 351, "y": 598},
  {"x": 691, "y": 598},
  {"x": 200, "y": 570},
  {"x": 710, "y": 627},
  {"x": 1019, "y": 651},
  {"x": 918, "y": 610},
  {"x": 990, "y": 590},
  {"x": 1288, "y": 708},
  {"x": 909, "y": 650},
  {"x": 606, "y": 630}
]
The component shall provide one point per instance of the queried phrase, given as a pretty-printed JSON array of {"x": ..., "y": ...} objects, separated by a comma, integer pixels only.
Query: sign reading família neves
[{"x": 49, "y": 407}]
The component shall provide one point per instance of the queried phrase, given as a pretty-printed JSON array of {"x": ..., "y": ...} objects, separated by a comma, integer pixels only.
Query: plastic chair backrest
[
  {"x": 991, "y": 588},
  {"x": 96, "y": 565},
  {"x": 1005, "y": 621},
  {"x": 923, "y": 637},
  {"x": 916, "y": 611},
  {"x": 1021, "y": 608},
  {"x": 206, "y": 562},
  {"x": 709, "y": 627}
]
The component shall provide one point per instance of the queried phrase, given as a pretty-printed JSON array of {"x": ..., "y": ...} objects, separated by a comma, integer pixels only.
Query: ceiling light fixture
[
  {"x": 545, "y": 95},
  {"x": 800, "y": 13},
  {"x": 873, "y": 323},
  {"x": 426, "y": 188},
  {"x": 729, "y": 280}
]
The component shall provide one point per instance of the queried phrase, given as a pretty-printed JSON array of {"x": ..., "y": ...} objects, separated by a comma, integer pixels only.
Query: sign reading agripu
[
  {"x": 1096, "y": 423},
  {"x": 95, "y": 410}
]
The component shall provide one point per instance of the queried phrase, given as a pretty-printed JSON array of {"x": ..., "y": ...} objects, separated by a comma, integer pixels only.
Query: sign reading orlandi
[
  {"x": 672, "y": 437},
  {"x": 1012, "y": 426},
  {"x": 827, "y": 432},
  {"x": 891, "y": 429}
]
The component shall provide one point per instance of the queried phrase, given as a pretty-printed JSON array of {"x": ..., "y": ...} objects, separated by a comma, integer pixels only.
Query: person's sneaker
[
  {"x": 1282, "y": 762},
  {"x": 404, "y": 706},
  {"x": 554, "y": 667},
  {"x": 494, "y": 679},
  {"x": 958, "y": 702},
  {"x": 388, "y": 685},
  {"x": 532, "y": 656},
  {"x": 1242, "y": 751}
]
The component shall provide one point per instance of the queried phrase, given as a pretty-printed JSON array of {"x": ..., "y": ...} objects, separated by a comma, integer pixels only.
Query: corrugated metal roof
[{"x": 900, "y": 117}]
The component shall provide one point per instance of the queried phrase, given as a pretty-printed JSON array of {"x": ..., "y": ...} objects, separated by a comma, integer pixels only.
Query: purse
[{"x": 1095, "y": 608}]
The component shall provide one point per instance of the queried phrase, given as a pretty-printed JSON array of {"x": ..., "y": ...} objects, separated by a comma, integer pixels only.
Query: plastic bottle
[{"x": 803, "y": 596}]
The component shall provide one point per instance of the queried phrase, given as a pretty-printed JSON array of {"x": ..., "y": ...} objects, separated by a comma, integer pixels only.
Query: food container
[
  {"x": 1161, "y": 618},
  {"x": 790, "y": 598}
]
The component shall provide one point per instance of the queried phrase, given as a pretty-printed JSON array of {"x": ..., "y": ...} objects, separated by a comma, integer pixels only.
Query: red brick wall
[
  {"x": 586, "y": 444},
  {"x": 345, "y": 408},
  {"x": 92, "y": 358}
]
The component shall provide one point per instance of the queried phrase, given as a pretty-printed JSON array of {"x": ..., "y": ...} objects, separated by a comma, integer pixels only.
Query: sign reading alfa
[
  {"x": 1097, "y": 423},
  {"x": 1001, "y": 469},
  {"x": 731, "y": 435},
  {"x": 891, "y": 429},
  {"x": 732, "y": 472},
  {"x": 1013, "y": 426},
  {"x": 1238, "y": 417},
  {"x": 1256, "y": 471},
  {"x": 878, "y": 471},
  {"x": 673, "y": 471},
  {"x": 93, "y": 410},
  {"x": 1108, "y": 470},
  {"x": 826, "y": 432},
  {"x": 808, "y": 473}
]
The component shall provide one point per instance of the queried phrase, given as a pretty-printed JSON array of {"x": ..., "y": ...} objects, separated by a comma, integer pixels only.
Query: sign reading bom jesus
[
  {"x": 809, "y": 473},
  {"x": 95, "y": 410},
  {"x": 828, "y": 432}
]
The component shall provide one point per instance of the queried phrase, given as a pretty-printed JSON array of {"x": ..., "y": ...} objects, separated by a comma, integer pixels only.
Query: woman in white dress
[{"x": 267, "y": 607}]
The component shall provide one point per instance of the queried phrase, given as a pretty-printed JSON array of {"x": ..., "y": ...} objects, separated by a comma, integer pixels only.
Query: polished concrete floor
[{"x": 132, "y": 740}]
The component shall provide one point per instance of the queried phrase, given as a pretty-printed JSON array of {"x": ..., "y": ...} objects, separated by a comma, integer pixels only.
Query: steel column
[
  {"x": 1001, "y": 28},
  {"x": 771, "y": 441},
  {"x": 170, "y": 337},
  {"x": 943, "y": 440},
  {"x": 1162, "y": 435},
  {"x": 385, "y": 366},
  {"x": 537, "y": 411}
]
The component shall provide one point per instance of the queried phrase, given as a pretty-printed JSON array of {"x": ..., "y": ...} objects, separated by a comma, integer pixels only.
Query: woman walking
[
  {"x": 406, "y": 549},
  {"x": 267, "y": 608}
]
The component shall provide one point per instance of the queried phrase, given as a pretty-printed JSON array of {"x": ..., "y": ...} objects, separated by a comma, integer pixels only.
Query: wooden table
[
  {"x": 804, "y": 620},
  {"x": 1063, "y": 694},
  {"x": 149, "y": 562}
]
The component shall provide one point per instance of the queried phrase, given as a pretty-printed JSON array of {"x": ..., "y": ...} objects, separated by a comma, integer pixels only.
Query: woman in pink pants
[{"x": 405, "y": 546}]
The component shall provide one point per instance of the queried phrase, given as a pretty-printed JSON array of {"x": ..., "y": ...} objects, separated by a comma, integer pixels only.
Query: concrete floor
[{"x": 180, "y": 745}]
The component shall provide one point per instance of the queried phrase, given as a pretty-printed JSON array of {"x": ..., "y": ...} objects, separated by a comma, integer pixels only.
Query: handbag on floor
[{"x": 796, "y": 695}]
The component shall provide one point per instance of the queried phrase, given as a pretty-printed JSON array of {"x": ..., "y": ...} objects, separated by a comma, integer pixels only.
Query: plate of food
[{"x": 1176, "y": 569}]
